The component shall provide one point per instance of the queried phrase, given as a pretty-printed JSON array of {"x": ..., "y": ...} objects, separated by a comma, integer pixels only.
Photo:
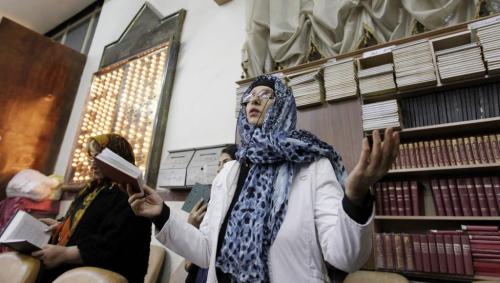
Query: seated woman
[{"x": 99, "y": 228}]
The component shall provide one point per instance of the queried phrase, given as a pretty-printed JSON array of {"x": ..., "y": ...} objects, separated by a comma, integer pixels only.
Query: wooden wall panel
[{"x": 39, "y": 79}]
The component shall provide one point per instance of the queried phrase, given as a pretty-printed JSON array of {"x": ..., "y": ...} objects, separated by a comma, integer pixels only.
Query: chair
[
  {"x": 156, "y": 259},
  {"x": 375, "y": 277},
  {"x": 89, "y": 274},
  {"x": 18, "y": 268}
]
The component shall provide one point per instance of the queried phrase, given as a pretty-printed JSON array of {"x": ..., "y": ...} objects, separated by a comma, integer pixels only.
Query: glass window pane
[
  {"x": 76, "y": 35},
  {"x": 91, "y": 34},
  {"x": 58, "y": 38}
]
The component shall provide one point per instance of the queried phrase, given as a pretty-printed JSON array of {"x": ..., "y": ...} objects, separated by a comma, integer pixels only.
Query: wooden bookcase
[{"x": 339, "y": 123}]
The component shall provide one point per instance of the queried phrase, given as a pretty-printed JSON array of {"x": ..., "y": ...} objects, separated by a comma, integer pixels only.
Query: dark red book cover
[
  {"x": 468, "y": 151},
  {"x": 378, "y": 199},
  {"x": 417, "y": 253},
  {"x": 450, "y": 254},
  {"x": 455, "y": 199},
  {"x": 462, "y": 151},
  {"x": 482, "y": 150},
  {"x": 415, "y": 199},
  {"x": 385, "y": 197},
  {"x": 484, "y": 233},
  {"x": 490, "y": 267},
  {"x": 477, "y": 246},
  {"x": 379, "y": 251},
  {"x": 483, "y": 251},
  {"x": 408, "y": 248},
  {"x": 481, "y": 197},
  {"x": 467, "y": 256},
  {"x": 428, "y": 154},
  {"x": 439, "y": 153},
  {"x": 485, "y": 237},
  {"x": 392, "y": 198},
  {"x": 400, "y": 198},
  {"x": 464, "y": 196},
  {"x": 407, "y": 198},
  {"x": 417, "y": 155},
  {"x": 421, "y": 153},
  {"x": 435, "y": 158},
  {"x": 445, "y": 193},
  {"x": 485, "y": 256},
  {"x": 456, "y": 151},
  {"x": 475, "y": 150},
  {"x": 444, "y": 153},
  {"x": 399, "y": 252},
  {"x": 389, "y": 258},
  {"x": 406, "y": 153},
  {"x": 438, "y": 200},
  {"x": 426, "y": 259},
  {"x": 490, "y": 228},
  {"x": 495, "y": 147},
  {"x": 489, "y": 150},
  {"x": 402, "y": 156},
  {"x": 474, "y": 205},
  {"x": 431, "y": 242},
  {"x": 496, "y": 189},
  {"x": 451, "y": 152},
  {"x": 459, "y": 258},
  {"x": 411, "y": 153},
  {"x": 490, "y": 196},
  {"x": 441, "y": 253}
]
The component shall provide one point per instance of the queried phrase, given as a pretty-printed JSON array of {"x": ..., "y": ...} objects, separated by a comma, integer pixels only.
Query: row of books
[
  {"x": 398, "y": 198},
  {"x": 458, "y": 151},
  {"x": 413, "y": 64},
  {"x": 340, "y": 79},
  {"x": 464, "y": 104},
  {"x": 472, "y": 250},
  {"x": 473, "y": 196},
  {"x": 380, "y": 115},
  {"x": 489, "y": 38}
]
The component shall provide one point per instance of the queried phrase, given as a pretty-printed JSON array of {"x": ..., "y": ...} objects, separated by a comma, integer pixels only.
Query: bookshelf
[{"x": 345, "y": 137}]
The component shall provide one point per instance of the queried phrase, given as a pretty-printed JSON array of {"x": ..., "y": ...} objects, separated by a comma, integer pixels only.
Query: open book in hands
[
  {"x": 25, "y": 234},
  {"x": 119, "y": 170}
]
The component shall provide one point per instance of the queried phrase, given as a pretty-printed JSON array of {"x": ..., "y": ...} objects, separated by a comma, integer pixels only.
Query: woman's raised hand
[
  {"x": 147, "y": 204},
  {"x": 373, "y": 164}
]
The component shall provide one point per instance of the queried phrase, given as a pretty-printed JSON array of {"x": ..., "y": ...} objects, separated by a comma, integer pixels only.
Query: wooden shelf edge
[
  {"x": 428, "y": 170},
  {"x": 438, "y": 218},
  {"x": 453, "y": 277},
  {"x": 476, "y": 122}
]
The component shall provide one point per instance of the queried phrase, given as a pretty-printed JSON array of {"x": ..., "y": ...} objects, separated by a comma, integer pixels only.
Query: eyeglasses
[{"x": 265, "y": 94}]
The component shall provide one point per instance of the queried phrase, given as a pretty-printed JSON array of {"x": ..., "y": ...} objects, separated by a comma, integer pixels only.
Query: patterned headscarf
[
  {"x": 113, "y": 142},
  {"x": 277, "y": 151}
]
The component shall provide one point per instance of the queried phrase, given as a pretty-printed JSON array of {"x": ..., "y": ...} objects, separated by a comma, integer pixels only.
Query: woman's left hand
[
  {"x": 54, "y": 255},
  {"x": 373, "y": 164}
]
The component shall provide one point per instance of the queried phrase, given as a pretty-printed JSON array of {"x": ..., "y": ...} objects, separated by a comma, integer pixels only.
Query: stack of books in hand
[
  {"x": 413, "y": 64},
  {"x": 377, "y": 80},
  {"x": 307, "y": 87},
  {"x": 489, "y": 37},
  {"x": 340, "y": 79},
  {"x": 380, "y": 115},
  {"x": 460, "y": 62}
]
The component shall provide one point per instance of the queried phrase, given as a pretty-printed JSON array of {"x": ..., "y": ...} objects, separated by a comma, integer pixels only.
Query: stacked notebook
[
  {"x": 340, "y": 79},
  {"x": 413, "y": 64},
  {"x": 377, "y": 80},
  {"x": 460, "y": 61},
  {"x": 489, "y": 37},
  {"x": 239, "y": 93},
  {"x": 307, "y": 87},
  {"x": 380, "y": 115}
]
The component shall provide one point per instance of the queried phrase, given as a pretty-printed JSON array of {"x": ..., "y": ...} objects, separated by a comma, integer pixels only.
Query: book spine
[
  {"x": 392, "y": 198},
  {"x": 495, "y": 147},
  {"x": 399, "y": 252},
  {"x": 450, "y": 254},
  {"x": 407, "y": 198},
  {"x": 481, "y": 197},
  {"x": 400, "y": 198},
  {"x": 406, "y": 153},
  {"x": 417, "y": 155},
  {"x": 435, "y": 156},
  {"x": 408, "y": 248},
  {"x": 495, "y": 180},
  {"x": 490, "y": 269},
  {"x": 456, "y": 151},
  {"x": 445, "y": 193},
  {"x": 426, "y": 260},
  {"x": 439, "y": 153},
  {"x": 441, "y": 253},
  {"x": 402, "y": 156},
  {"x": 461, "y": 151},
  {"x": 468, "y": 151},
  {"x": 487, "y": 147},
  {"x": 421, "y": 151},
  {"x": 431, "y": 242},
  {"x": 457, "y": 250},
  {"x": 485, "y": 237},
  {"x": 475, "y": 150},
  {"x": 385, "y": 197},
  {"x": 472, "y": 197},
  {"x": 415, "y": 200},
  {"x": 451, "y": 152},
  {"x": 444, "y": 152},
  {"x": 379, "y": 251},
  {"x": 389, "y": 258},
  {"x": 488, "y": 228},
  {"x": 378, "y": 198},
  {"x": 455, "y": 199},
  {"x": 464, "y": 196},
  {"x": 417, "y": 252},
  {"x": 411, "y": 153},
  {"x": 428, "y": 154},
  {"x": 438, "y": 200},
  {"x": 482, "y": 150},
  {"x": 467, "y": 256}
]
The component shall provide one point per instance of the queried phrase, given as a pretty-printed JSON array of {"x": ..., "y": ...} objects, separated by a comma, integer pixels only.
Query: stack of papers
[
  {"x": 413, "y": 64},
  {"x": 340, "y": 79},
  {"x": 377, "y": 80},
  {"x": 489, "y": 37},
  {"x": 460, "y": 61},
  {"x": 307, "y": 88},
  {"x": 380, "y": 115}
]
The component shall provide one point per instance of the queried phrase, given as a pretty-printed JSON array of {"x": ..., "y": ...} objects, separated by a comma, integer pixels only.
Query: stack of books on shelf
[
  {"x": 489, "y": 37},
  {"x": 472, "y": 196},
  {"x": 470, "y": 103},
  {"x": 240, "y": 90},
  {"x": 457, "y": 151},
  {"x": 485, "y": 249},
  {"x": 380, "y": 115},
  {"x": 377, "y": 80},
  {"x": 340, "y": 79},
  {"x": 460, "y": 62},
  {"x": 398, "y": 198},
  {"x": 307, "y": 88},
  {"x": 413, "y": 64}
]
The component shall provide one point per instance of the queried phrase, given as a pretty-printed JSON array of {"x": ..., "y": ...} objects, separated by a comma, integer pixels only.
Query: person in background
[
  {"x": 99, "y": 228},
  {"x": 285, "y": 206}
]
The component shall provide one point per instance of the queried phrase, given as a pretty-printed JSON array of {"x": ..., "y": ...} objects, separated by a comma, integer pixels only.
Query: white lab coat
[{"x": 315, "y": 229}]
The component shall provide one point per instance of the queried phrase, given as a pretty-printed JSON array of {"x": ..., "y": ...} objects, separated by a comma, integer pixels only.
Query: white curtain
[{"x": 281, "y": 33}]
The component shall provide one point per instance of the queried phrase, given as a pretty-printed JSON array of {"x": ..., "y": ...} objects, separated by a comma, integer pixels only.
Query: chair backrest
[
  {"x": 375, "y": 277},
  {"x": 18, "y": 268},
  {"x": 156, "y": 259},
  {"x": 89, "y": 274}
]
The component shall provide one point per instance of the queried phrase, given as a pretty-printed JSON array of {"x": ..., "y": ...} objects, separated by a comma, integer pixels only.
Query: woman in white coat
[{"x": 285, "y": 207}]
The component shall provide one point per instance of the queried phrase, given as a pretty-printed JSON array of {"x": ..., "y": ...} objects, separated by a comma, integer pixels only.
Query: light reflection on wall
[{"x": 124, "y": 101}]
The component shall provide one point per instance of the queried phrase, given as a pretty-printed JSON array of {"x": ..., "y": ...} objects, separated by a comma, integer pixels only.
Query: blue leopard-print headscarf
[{"x": 277, "y": 151}]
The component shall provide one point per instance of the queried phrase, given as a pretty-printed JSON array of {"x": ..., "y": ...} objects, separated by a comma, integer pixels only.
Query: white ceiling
[{"x": 41, "y": 15}]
